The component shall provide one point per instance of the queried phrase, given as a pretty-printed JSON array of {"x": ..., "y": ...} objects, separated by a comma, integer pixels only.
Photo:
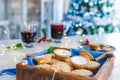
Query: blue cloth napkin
[
  {"x": 11, "y": 71},
  {"x": 30, "y": 60}
]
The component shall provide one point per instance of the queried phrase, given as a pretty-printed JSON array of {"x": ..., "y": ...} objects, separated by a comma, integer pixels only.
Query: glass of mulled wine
[
  {"x": 57, "y": 32},
  {"x": 28, "y": 35}
]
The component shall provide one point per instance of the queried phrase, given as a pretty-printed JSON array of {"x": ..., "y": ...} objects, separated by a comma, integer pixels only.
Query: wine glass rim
[{"x": 57, "y": 24}]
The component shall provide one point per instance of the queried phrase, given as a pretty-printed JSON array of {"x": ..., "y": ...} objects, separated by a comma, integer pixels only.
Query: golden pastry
[
  {"x": 53, "y": 60},
  {"x": 62, "y": 54},
  {"x": 43, "y": 59},
  {"x": 93, "y": 46},
  {"x": 82, "y": 72},
  {"x": 86, "y": 55},
  {"x": 61, "y": 66},
  {"x": 79, "y": 62},
  {"x": 93, "y": 66}
]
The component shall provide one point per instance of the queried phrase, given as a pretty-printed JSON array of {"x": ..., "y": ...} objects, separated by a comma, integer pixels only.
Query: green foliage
[
  {"x": 44, "y": 31},
  {"x": 51, "y": 49}
]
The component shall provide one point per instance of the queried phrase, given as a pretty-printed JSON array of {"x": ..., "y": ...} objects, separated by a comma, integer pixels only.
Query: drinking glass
[
  {"x": 28, "y": 35},
  {"x": 57, "y": 32}
]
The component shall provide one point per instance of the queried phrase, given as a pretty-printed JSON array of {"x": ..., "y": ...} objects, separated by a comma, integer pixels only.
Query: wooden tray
[{"x": 26, "y": 72}]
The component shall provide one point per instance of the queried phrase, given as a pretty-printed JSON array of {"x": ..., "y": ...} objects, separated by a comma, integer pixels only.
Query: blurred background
[{"x": 80, "y": 17}]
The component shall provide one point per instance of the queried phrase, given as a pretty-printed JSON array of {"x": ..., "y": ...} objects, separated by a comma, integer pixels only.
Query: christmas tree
[{"x": 89, "y": 17}]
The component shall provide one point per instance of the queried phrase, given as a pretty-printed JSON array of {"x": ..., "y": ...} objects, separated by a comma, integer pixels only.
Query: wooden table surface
[{"x": 9, "y": 58}]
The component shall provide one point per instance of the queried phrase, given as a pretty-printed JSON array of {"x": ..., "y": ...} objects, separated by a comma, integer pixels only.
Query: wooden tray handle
[{"x": 107, "y": 54}]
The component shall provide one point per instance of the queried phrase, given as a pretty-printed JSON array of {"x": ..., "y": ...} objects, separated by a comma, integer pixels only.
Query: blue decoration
[
  {"x": 9, "y": 71},
  {"x": 70, "y": 32}
]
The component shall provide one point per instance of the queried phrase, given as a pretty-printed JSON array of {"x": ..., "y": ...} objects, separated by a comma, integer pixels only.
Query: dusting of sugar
[
  {"x": 79, "y": 60},
  {"x": 62, "y": 52}
]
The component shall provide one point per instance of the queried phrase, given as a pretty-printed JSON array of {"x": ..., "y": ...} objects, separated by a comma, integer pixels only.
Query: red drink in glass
[
  {"x": 57, "y": 32},
  {"x": 28, "y": 35}
]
